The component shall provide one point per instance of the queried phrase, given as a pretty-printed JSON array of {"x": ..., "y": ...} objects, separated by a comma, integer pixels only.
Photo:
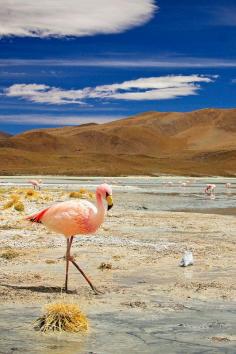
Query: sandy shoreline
[{"x": 149, "y": 302}]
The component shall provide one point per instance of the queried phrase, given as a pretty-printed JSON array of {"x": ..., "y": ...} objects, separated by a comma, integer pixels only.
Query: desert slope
[{"x": 195, "y": 143}]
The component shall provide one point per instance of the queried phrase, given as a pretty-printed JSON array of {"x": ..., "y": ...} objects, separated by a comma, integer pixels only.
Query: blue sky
[{"x": 83, "y": 61}]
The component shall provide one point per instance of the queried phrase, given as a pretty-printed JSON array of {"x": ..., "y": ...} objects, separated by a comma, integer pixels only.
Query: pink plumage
[
  {"x": 210, "y": 189},
  {"x": 72, "y": 217},
  {"x": 35, "y": 183}
]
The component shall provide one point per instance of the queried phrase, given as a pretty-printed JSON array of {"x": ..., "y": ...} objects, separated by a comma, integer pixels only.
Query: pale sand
[{"x": 150, "y": 305}]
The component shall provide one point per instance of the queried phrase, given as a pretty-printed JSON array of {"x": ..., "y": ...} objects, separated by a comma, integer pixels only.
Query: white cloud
[
  {"x": 153, "y": 88},
  {"x": 58, "y": 18},
  {"x": 45, "y": 94},
  {"x": 56, "y": 120},
  {"x": 158, "y": 62}
]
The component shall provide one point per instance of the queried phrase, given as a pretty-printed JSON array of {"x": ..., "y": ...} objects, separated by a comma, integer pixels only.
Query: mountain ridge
[{"x": 200, "y": 142}]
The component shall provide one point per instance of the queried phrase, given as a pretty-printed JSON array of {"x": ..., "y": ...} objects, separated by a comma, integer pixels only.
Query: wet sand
[
  {"x": 149, "y": 305},
  {"x": 220, "y": 211}
]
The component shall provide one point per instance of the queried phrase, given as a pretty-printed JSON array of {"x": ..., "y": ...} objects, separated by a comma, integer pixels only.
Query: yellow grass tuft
[
  {"x": 82, "y": 194},
  {"x": 91, "y": 195},
  {"x": 31, "y": 193},
  {"x": 75, "y": 195},
  {"x": 105, "y": 266},
  {"x": 19, "y": 206},
  {"x": 9, "y": 254},
  {"x": 8, "y": 204},
  {"x": 83, "y": 191},
  {"x": 47, "y": 198},
  {"x": 50, "y": 261},
  {"x": 60, "y": 317},
  {"x": 15, "y": 198}
]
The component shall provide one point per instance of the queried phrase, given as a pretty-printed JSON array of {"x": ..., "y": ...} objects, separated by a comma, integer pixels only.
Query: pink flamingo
[
  {"x": 228, "y": 185},
  {"x": 210, "y": 188},
  {"x": 35, "y": 183},
  {"x": 75, "y": 217}
]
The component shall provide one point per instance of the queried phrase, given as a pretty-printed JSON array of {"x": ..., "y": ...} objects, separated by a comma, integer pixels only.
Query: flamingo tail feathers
[{"x": 37, "y": 217}]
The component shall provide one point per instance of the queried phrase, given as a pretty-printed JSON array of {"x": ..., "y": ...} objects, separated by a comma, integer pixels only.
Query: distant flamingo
[
  {"x": 169, "y": 183},
  {"x": 228, "y": 185},
  {"x": 35, "y": 183},
  {"x": 75, "y": 217},
  {"x": 210, "y": 188}
]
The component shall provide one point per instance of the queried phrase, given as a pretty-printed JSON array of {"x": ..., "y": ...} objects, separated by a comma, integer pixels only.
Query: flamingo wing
[{"x": 68, "y": 218}]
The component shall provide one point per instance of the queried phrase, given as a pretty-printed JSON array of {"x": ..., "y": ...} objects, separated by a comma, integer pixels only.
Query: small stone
[{"x": 187, "y": 259}]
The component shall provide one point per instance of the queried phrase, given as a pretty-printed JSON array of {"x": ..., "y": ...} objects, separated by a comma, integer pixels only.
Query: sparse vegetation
[
  {"x": 19, "y": 206},
  {"x": 14, "y": 201},
  {"x": 8, "y": 204},
  {"x": 105, "y": 266},
  {"x": 37, "y": 276},
  {"x": 30, "y": 193},
  {"x": 50, "y": 261},
  {"x": 75, "y": 195},
  {"x": 15, "y": 198},
  {"x": 9, "y": 254},
  {"x": 82, "y": 194},
  {"x": 60, "y": 317}
]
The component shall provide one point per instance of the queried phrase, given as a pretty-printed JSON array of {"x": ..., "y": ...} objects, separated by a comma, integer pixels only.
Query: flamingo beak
[{"x": 109, "y": 202}]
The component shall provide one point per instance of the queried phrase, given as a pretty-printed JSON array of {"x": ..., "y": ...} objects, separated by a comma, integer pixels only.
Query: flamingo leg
[
  {"x": 71, "y": 259},
  {"x": 69, "y": 242}
]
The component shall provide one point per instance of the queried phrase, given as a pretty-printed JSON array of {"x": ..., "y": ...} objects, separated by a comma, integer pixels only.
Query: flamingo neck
[
  {"x": 100, "y": 205},
  {"x": 99, "y": 218}
]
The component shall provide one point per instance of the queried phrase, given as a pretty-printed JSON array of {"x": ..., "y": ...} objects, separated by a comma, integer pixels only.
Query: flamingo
[
  {"x": 228, "y": 185},
  {"x": 210, "y": 188},
  {"x": 35, "y": 183},
  {"x": 70, "y": 218}
]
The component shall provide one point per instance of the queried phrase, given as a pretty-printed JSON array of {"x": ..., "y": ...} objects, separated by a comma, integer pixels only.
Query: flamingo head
[{"x": 106, "y": 193}]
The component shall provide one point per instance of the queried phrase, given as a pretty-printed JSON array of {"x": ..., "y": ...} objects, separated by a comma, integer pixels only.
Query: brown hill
[
  {"x": 4, "y": 135},
  {"x": 196, "y": 143}
]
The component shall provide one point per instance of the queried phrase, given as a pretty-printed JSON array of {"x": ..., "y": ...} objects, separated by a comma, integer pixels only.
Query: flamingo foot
[{"x": 97, "y": 291}]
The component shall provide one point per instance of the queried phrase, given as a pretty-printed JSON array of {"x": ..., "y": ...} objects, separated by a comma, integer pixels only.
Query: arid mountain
[
  {"x": 4, "y": 135},
  {"x": 196, "y": 143}
]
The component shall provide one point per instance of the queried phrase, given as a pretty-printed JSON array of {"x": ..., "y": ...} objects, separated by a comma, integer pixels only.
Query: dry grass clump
[
  {"x": 83, "y": 191},
  {"x": 15, "y": 198},
  {"x": 91, "y": 195},
  {"x": 8, "y": 204},
  {"x": 19, "y": 206},
  {"x": 82, "y": 194},
  {"x": 75, "y": 195},
  {"x": 14, "y": 201},
  {"x": 50, "y": 261},
  {"x": 10, "y": 254},
  {"x": 32, "y": 194},
  {"x": 60, "y": 317},
  {"x": 105, "y": 266},
  {"x": 47, "y": 198}
]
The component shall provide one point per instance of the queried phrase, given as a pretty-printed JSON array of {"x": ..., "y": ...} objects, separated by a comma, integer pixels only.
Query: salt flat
[{"x": 150, "y": 304}]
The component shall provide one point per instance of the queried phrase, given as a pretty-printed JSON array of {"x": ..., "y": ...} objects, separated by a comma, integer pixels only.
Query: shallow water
[
  {"x": 189, "y": 331},
  {"x": 162, "y": 193}
]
